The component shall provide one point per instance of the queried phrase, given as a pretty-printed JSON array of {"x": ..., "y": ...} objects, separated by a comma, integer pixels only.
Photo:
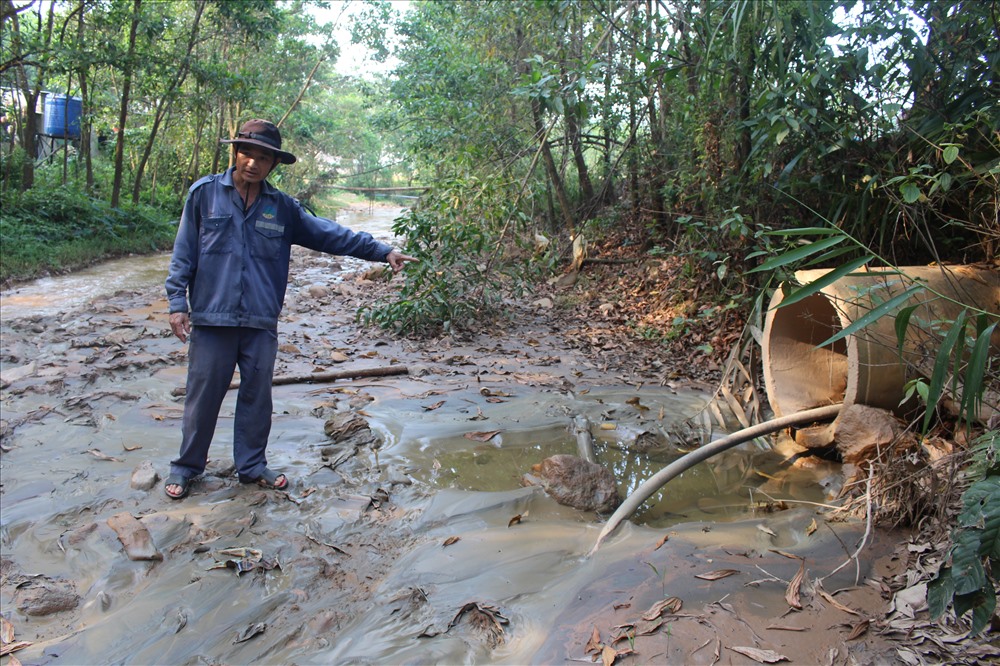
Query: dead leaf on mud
[
  {"x": 250, "y": 632},
  {"x": 103, "y": 456},
  {"x": 761, "y": 656},
  {"x": 451, "y": 540},
  {"x": 487, "y": 393},
  {"x": 717, "y": 574},
  {"x": 13, "y": 647},
  {"x": 858, "y": 630},
  {"x": 792, "y": 591},
  {"x": 594, "y": 644},
  {"x": 812, "y": 527},
  {"x": 662, "y": 541},
  {"x": 766, "y": 530},
  {"x": 638, "y": 405},
  {"x": 836, "y": 604},
  {"x": 7, "y": 638},
  {"x": 483, "y": 436},
  {"x": 785, "y": 627},
  {"x": 486, "y": 619},
  {"x": 431, "y": 408},
  {"x": 669, "y": 605},
  {"x": 516, "y": 520},
  {"x": 134, "y": 447},
  {"x": 608, "y": 655},
  {"x": 609, "y": 426},
  {"x": 7, "y": 630}
]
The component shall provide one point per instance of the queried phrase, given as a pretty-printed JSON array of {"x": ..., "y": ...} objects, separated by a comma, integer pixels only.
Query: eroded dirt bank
[{"x": 402, "y": 540}]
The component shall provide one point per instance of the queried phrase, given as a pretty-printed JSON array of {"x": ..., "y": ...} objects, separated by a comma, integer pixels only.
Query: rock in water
[
  {"x": 46, "y": 597},
  {"x": 134, "y": 536},
  {"x": 575, "y": 482},
  {"x": 144, "y": 477}
]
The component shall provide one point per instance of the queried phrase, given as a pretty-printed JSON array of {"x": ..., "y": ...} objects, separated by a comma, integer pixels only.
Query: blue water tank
[{"x": 61, "y": 117}]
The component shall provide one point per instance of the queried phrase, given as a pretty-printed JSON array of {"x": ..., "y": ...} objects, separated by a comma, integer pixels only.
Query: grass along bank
[{"x": 58, "y": 229}]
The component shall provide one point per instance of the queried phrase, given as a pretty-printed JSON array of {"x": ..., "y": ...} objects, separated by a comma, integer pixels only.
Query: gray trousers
[{"x": 214, "y": 353}]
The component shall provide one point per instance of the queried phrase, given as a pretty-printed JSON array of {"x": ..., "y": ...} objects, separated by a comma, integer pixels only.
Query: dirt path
[{"x": 384, "y": 551}]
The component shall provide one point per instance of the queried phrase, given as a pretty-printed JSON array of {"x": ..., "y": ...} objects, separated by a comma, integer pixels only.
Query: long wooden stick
[{"x": 322, "y": 377}]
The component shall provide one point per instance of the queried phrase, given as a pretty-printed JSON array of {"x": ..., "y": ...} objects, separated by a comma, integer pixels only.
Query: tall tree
[{"x": 123, "y": 106}]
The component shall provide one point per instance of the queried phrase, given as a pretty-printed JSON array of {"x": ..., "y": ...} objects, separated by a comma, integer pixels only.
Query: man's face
[{"x": 253, "y": 163}]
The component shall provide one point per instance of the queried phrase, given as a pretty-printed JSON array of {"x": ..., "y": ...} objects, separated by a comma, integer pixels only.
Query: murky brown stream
[{"x": 390, "y": 532}]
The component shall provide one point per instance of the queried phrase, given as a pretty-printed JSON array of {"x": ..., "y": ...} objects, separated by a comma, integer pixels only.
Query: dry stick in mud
[
  {"x": 319, "y": 377},
  {"x": 682, "y": 464}
]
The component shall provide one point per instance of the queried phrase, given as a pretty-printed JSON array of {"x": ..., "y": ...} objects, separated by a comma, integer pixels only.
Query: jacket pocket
[
  {"x": 268, "y": 240},
  {"x": 216, "y": 234}
]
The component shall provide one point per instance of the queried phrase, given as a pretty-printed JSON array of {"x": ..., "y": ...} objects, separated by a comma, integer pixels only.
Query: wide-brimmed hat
[{"x": 265, "y": 134}]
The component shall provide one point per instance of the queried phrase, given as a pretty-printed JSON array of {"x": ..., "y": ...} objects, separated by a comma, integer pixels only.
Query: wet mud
[{"x": 406, "y": 535}]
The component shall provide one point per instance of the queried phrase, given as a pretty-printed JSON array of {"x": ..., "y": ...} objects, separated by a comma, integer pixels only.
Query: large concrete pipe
[{"x": 866, "y": 367}]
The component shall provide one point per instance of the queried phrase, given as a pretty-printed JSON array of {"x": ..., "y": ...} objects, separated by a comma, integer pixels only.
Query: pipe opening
[{"x": 799, "y": 375}]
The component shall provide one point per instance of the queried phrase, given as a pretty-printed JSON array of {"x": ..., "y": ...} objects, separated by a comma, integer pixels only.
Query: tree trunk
[
  {"x": 550, "y": 167},
  {"x": 116, "y": 189},
  {"x": 166, "y": 101},
  {"x": 31, "y": 90}
]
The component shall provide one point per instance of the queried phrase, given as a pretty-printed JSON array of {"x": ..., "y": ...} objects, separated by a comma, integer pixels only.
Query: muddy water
[
  {"x": 388, "y": 534},
  {"x": 53, "y": 295}
]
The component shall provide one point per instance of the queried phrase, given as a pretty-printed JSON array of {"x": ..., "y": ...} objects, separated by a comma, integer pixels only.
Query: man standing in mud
[{"x": 226, "y": 288}]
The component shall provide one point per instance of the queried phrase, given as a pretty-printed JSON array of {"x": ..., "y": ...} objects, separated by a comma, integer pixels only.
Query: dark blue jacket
[{"x": 232, "y": 267}]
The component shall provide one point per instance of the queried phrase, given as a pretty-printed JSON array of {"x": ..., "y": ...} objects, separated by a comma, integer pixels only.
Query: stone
[
  {"x": 860, "y": 431},
  {"x": 144, "y": 476},
  {"x": 46, "y": 597},
  {"x": 318, "y": 291},
  {"x": 134, "y": 536},
  {"x": 573, "y": 481}
]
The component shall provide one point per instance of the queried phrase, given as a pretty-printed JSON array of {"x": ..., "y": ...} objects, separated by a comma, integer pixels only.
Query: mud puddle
[{"x": 402, "y": 539}]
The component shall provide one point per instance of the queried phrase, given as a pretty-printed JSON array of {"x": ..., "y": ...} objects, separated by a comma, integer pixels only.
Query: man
[{"x": 226, "y": 287}]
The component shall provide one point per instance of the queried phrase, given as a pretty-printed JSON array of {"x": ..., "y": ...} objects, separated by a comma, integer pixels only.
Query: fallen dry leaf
[
  {"x": 483, "y": 436},
  {"x": 13, "y": 647},
  {"x": 103, "y": 456},
  {"x": 717, "y": 574},
  {"x": 608, "y": 655},
  {"x": 608, "y": 426},
  {"x": 766, "y": 530},
  {"x": 638, "y": 405},
  {"x": 517, "y": 519},
  {"x": 812, "y": 527},
  {"x": 431, "y": 408},
  {"x": 836, "y": 604},
  {"x": 594, "y": 644},
  {"x": 792, "y": 591},
  {"x": 858, "y": 630},
  {"x": 135, "y": 447},
  {"x": 662, "y": 541},
  {"x": 786, "y": 627},
  {"x": 668, "y": 605},
  {"x": 761, "y": 656},
  {"x": 451, "y": 540},
  {"x": 485, "y": 618},
  {"x": 6, "y": 630}
]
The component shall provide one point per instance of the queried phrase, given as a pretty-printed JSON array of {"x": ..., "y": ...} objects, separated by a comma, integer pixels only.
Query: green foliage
[
  {"x": 55, "y": 229},
  {"x": 970, "y": 582},
  {"x": 466, "y": 234}
]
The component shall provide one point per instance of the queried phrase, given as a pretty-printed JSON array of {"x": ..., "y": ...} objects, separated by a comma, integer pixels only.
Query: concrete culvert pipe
[{"x": 866, "y": 367}]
